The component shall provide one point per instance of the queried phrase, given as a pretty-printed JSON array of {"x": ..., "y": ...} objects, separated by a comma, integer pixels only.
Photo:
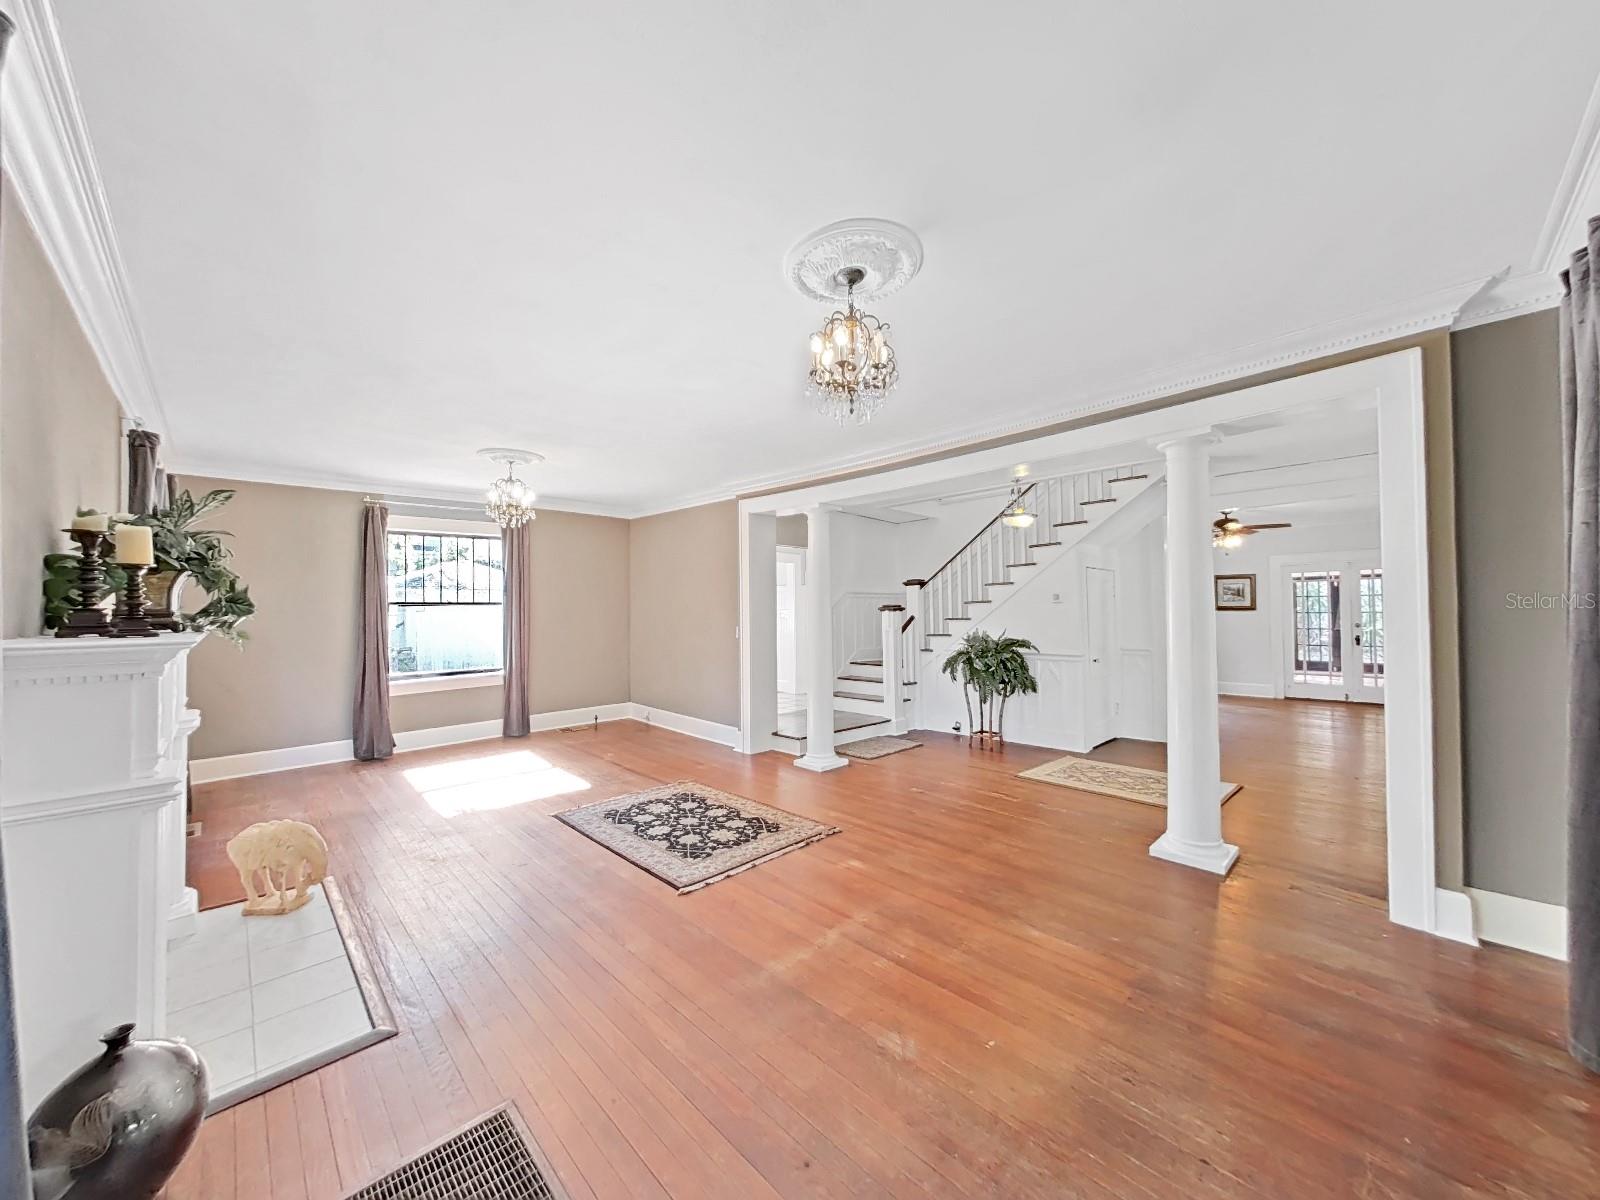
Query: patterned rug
[
  {"x": 1138, "y": 784},
  {"x": 688, "y": 835},
  {"x": 877, "y": 747}
]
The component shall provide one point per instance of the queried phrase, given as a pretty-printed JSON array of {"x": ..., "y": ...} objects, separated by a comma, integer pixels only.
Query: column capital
[{"x": 1200, "y": 435}]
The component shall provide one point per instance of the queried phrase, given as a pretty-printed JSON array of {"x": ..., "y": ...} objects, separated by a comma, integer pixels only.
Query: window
[{"x": 445, "y": 593}]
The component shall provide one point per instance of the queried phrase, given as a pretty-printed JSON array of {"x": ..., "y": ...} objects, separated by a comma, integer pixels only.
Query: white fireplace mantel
[{"x": 93, "y": 776}]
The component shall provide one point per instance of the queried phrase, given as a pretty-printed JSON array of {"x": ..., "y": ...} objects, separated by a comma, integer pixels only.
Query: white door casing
[
  {"x": 1392, "y": 383},
  {"x": 790, "y": 616},
  {"x": 1099, "y": 717}
]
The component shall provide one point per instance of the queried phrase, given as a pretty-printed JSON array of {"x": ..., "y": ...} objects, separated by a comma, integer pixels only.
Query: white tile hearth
[{"x": 259, "y": 997}]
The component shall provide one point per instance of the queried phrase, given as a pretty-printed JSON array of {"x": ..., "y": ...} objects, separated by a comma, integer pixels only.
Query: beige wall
[
  {"x": 60, "y": 423},
  {"x": 1508, "y": 466},
  {"x": 685, "y": 611},
  {"x": 792, "y": 531},
  {"x": 298, "y": 549}
]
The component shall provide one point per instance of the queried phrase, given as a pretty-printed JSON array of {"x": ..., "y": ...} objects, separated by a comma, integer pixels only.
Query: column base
[
  {"x": 181, "y": 915},
  {"x": 1218, "y": 857},
  {"x": 821, "y": 762}
]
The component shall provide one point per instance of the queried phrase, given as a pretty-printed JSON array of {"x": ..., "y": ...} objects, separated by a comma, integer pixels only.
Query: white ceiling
[{"x": 365, "y": 239}]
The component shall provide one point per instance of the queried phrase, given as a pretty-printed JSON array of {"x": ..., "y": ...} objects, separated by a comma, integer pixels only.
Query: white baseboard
[
  {"x": 1523, "y": 924},
  {"x": 1452, "y": 916},
  {"x": 1260, "y": 691},
  {"x": 289, "y": 758},
  {"x": 710, "y": 731}
]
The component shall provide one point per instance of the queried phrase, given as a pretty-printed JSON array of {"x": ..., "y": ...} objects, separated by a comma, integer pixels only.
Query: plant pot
[
  {"x": 117, "y": 1128},
  {"x": 165, "y": 590}
]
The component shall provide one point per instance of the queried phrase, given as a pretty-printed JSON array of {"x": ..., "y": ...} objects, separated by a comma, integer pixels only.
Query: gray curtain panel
[
  {"x": 144, "y": 448},
  {"x": 518, "y": 627},
  {"x": 1580, "y": 428},
  {"x": 13, "y": 1132},
  {"x": 371, "y": 734}
]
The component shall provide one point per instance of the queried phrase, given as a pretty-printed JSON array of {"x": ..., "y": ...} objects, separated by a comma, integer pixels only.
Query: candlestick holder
[
  {"x": 130, "y": 620},
  {"x": 88, "y": 618}
]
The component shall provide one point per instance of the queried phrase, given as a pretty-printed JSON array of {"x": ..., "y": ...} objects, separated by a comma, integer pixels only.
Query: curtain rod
[{"x": 464, "y": 506}]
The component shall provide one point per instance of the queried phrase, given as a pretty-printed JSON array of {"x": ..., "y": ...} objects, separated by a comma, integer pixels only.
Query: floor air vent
[{"x": 492, "y": 1157}]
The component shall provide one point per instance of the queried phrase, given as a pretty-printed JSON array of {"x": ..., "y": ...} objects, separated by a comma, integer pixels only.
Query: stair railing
[{"x": 988, "y": 557}]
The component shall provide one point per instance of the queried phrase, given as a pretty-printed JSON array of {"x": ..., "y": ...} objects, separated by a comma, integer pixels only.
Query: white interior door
[
  {"x": 1101, "y": 604},
  {"x": 791, "y": 661},
  {"x": 1334, "y": 629}
]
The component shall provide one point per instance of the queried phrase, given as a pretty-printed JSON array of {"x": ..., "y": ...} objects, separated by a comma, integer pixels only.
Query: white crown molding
[
  {"x": 1509, "y": 296},
  {"x": 1434, "y": 311},
  {"x": 399, "y": 493},
  {"x": 49, "y": 160},
  {"x": 1577, "y": 196}
]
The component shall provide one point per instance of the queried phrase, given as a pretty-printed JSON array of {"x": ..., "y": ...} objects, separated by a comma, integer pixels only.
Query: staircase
[
  {"x": 1000, "y": 559},
  {"x": 976, "y": 581}
]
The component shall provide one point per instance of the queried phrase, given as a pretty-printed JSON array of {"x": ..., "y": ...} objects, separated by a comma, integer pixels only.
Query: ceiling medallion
[
  {"x": 509, "y": 501},
  {"x": 853, "y": 366}
]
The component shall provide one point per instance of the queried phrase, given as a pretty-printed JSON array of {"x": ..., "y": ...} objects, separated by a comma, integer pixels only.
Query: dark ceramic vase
[{"x": 118, "y": 1127}]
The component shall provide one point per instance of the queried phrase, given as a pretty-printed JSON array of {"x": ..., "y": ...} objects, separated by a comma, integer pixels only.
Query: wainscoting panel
[{"x": 1053, "y": 718}]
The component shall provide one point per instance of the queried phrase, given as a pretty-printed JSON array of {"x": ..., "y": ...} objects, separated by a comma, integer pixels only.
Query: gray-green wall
[{"x": 1513, "y": 658}]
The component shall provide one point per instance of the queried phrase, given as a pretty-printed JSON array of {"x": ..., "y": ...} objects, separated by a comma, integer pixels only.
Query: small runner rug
[
  {"x": 1139, "y": 784},
  {"x": 877, "y": 747},
  {"x": 688, "y": 835}
]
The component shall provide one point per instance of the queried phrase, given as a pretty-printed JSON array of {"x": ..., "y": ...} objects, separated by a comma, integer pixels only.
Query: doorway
[
  {"x": 791, "y": 573},
  {"x": 1332, "y": 644},
  {"x": 1099, "y": 717}
]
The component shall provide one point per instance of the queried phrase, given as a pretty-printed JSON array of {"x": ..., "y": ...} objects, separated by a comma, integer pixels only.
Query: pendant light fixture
[
  {"x": 1017, "y": 513},
  {"x": 509, "y": 501},
  {"x": 853, "y": 365}
]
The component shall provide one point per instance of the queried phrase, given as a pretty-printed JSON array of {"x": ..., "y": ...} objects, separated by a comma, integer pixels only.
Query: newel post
[{"x": 892, "y": 617}]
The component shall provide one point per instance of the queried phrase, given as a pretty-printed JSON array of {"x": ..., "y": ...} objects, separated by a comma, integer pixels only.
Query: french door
[{"x": 1334, "y": 634}]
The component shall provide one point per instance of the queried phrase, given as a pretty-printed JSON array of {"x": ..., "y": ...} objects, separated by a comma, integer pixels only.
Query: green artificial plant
[
  {"x": 996, "y": 669},
  {"x": 179, "y": 547}
]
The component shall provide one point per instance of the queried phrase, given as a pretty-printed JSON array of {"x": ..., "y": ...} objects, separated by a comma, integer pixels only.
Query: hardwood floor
[{"x": 983, "y": 987}]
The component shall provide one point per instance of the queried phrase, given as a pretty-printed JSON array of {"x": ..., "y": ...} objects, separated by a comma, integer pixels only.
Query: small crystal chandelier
[
  {"x": 852, "y": 363},
  {"x": 509, "y": 501},
  {"x": 1017, "y": 514}
]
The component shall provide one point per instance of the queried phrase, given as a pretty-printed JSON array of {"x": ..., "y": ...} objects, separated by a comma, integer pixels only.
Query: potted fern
[
  {"x": 995, "y": 668},
  {"x": 182, "y": 553}
]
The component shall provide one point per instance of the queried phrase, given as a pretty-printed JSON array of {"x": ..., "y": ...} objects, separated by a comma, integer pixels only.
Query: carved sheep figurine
[{"x": 289, "y": 855}]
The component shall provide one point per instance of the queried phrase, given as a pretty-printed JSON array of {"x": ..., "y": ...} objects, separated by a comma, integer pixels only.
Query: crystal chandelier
[
  {"x": 852, "y": 363},
  {"x": 509, "y": 501}
]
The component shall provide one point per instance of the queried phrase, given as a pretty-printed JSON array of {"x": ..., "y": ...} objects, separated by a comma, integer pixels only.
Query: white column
[
  {"x": 819, "y": 755},
  {"x": 1194, "y": 768},
  {"x": 891, "y": 617}
]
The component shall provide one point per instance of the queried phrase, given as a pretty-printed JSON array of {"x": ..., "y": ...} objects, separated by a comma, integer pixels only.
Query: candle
[
  {"x": 94, "y": 522},
  {"x": 134, "y": 546}
]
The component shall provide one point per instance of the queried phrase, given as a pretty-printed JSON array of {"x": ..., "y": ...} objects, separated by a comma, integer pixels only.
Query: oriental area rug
[{"x": 689, "y": 835}]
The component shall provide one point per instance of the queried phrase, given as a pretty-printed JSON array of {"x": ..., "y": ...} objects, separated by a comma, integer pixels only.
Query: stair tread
[
  {"x": 862, "y": 678},
  {"x": 1041, "y": 545},
  {"x": 977, "y": 602},
  {"x": 1064, "y": 524},
  {"x": 1022, "y": 564},
  {"x": 1001, "y": 583},
  {"x": 866, "y": 662},
  {"x": 856, "y": 696},
  {"x": 1106, "y": 500},
  {"x": 1127, "y": 478}
]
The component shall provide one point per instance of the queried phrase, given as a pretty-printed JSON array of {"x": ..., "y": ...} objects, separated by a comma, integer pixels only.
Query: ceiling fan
[{"x": 1228, "y": 533}]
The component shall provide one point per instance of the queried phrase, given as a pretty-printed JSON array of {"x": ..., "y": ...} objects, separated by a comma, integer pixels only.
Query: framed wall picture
[{"x": 1235, "y": 593}]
